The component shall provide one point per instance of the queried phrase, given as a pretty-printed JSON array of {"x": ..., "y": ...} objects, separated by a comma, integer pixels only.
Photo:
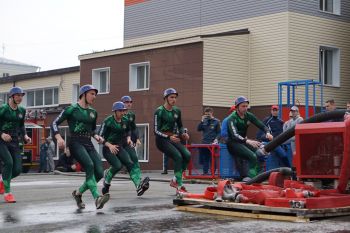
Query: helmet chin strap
[
  {"x": 87, "y": 104},
  {"x": 237, "y": 110},
  {"x": 14, "y": 101},
  {"x": 168, "y": 101}
]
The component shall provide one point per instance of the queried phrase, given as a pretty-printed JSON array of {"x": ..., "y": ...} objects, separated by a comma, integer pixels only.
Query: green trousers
[
  {"x": 11, "y": 156},
  {"x": 127, "y": 157},
  {"x": 90, "y": 160},
  {"x": 177, "y": 152},
  {"x": 244, "y": 152}
]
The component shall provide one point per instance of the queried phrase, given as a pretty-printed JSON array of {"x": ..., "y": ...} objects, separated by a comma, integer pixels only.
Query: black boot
[
  {"x": 143, "y": 186},
  {"x": 78, "y": 199},
  {"x": 105, "y": 188}
]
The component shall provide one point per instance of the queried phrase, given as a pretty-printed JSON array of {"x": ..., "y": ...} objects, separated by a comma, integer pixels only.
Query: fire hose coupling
[
  {"x": 261, "y": 152},
  {"x": 180, "y": 195},
  {"x": 308, "y": 193},
  {"x": 229, "y": 194},
  {"x": 297, "y": 204}
]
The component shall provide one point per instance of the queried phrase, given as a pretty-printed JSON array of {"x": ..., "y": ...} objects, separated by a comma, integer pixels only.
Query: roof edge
[
  {"x": 160, "y": 44},
  {"x": 40, "y": 74}
]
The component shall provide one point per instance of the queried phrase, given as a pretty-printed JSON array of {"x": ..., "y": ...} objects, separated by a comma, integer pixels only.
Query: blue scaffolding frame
[{"x": 291, "y": 86}]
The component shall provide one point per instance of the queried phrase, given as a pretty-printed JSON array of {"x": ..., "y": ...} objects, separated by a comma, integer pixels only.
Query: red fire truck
[{"x": 35, "y": 127}]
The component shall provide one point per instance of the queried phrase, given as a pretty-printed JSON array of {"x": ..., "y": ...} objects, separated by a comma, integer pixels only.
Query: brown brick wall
[{"x": 180, "y": 67}]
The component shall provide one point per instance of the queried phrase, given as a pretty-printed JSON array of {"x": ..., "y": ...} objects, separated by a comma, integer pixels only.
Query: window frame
[
  {"x": 336, "y": 7},
  {"x": 75, "y": 92},
  {"x": 98, "y": 147},
  {"x": 96, "y": 83},
  {"x": 144, "y": 144},
  {"x": 133, "y": 76},
  {"x": 25, "y": 98},
  {"x": 5, "y": 94},
  {"x": 335, "y": 66}
]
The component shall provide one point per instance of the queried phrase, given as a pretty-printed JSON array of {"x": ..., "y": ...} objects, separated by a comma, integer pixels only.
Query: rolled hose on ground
[
  {"x": 286, "y": 171},
  {"x": 324, "y": 116}
]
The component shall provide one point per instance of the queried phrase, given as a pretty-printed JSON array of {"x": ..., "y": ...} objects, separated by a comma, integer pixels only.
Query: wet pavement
[{"x": 44, "y": 204}]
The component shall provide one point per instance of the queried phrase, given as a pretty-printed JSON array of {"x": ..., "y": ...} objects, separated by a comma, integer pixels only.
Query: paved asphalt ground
[{"x": 44, "y": 204}]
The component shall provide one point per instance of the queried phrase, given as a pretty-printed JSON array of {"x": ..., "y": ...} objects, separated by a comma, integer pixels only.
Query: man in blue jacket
[
  {"x": 278, "y": 157},
  {"x": 210, "y": 127}
]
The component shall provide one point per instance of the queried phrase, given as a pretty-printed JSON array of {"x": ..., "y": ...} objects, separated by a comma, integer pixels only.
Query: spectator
[
  {"x": 210, "y": 127},
  {"x": 50, "y": 153},
  {"x": 238, "y": 144},
  {"x": 331, "y": 106},
  {"x": 348, "y": 106},
  {"x": 278, "y": 157},
  {"x": 66, "y": 163},
  {"x": 295, "y": 119},
  {"x": 43, "y": 156}
]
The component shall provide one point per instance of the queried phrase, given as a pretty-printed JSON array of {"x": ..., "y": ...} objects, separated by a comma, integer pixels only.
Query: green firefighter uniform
[
  {"x": 237, "y": 132},
  {"x": 12, "y": 123},
  {"x": 131, "y": 118},
  {"x": 168, "y": 123},
  {"x": 82, "y": 125},
  {"x": 116, "y": 133}
]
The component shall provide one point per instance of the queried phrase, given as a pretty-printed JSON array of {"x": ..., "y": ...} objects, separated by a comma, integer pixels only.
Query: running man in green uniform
[
  {"x": 130, "y": 116},
  {"x": 118, "y": 149},
  {"x": 169, "y": 131},
  {"x": 12, "y": 134},
  {"x": 81, "y": 120},
  {"x": 238, "y": 144}
]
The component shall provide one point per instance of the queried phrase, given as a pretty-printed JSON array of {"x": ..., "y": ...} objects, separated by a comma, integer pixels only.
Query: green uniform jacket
[
  {"x": 131, "y": 118},
  {"x": 80, "y": 120},
  {"x": 12, "y": 121},
  {"x": 115, "y": 132},
  {"x": 237, "y": 127},
  {"x": 167, "y": 121}
]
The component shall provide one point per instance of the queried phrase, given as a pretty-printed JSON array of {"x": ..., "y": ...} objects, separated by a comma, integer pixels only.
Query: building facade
[
  {"x": 10, "y": 67},
  {"x": 212, "y": 51},
  {"x": 47, "y": 94},
  {"x": 288, "y": 40}
]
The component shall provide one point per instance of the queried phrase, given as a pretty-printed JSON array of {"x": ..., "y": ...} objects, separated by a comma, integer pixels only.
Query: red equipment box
[
  {"x": 319, "y": 149},
  {"x": 195, "y": 167}
]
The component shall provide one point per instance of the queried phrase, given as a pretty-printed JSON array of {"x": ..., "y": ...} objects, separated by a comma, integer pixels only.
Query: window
[
  {"x": 329, "y": 66},
  {"x": 5, "y": 75},
  {"x": 100, "y": 80},
  {"x": 41, "y": 97},
  {"x": 142, "y": 150},
  {"x": 139, "y": 76},
  {"x": 75, "y": 93},
  {"x": 330, "y": 6},
  {"x": 3, "y": 98},
  {"x": 98, "y": 147}
]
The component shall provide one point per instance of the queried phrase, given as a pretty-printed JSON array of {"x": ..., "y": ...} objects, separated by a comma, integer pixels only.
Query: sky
[{"x": 52, "y": 34}]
